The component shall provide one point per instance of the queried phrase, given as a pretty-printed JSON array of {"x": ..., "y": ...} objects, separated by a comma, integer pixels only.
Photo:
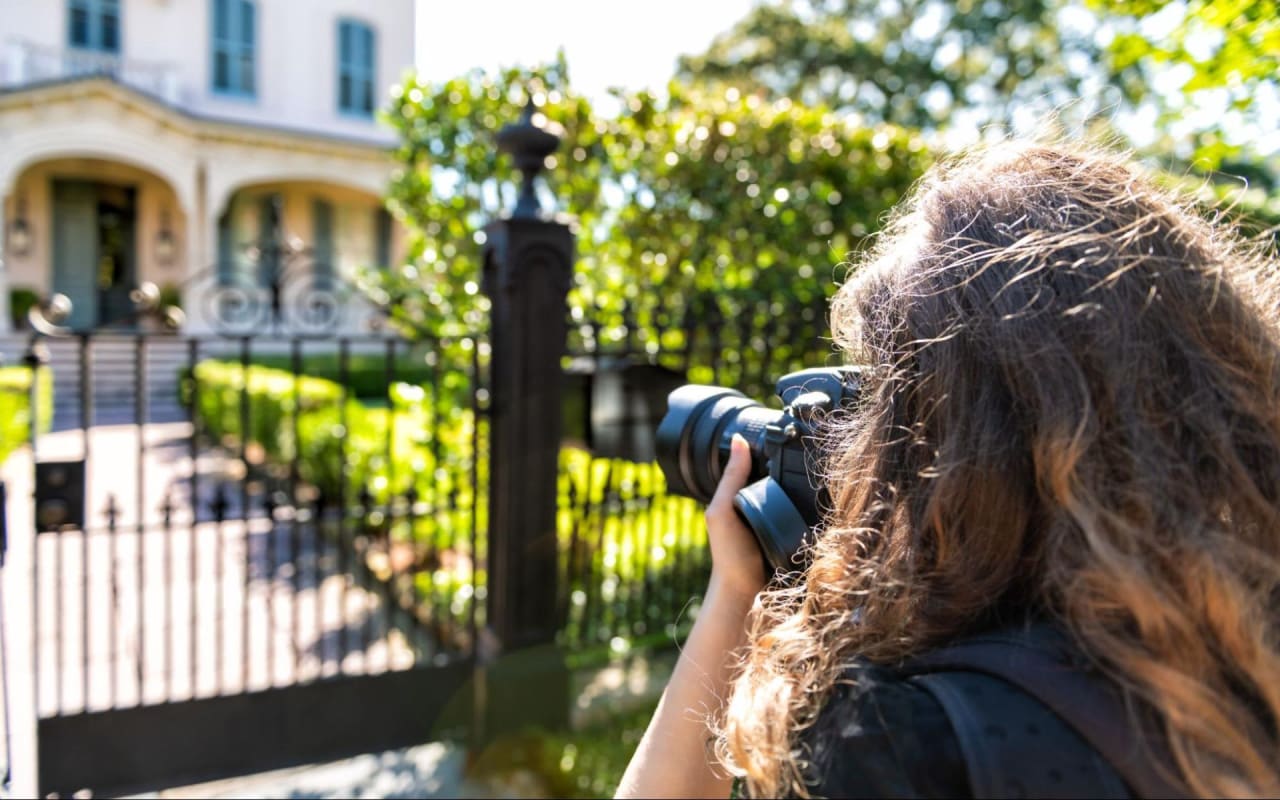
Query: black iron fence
[
  {"x": 633, "y": 557},
  {"x": 743, "y": 340},
  {"x": 259, "y": 525}
]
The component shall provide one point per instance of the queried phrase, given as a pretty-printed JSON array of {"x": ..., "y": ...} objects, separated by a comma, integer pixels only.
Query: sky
[{"x": 634, "y": 45}]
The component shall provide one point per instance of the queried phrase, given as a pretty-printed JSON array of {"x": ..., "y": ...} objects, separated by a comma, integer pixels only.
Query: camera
[{"x": 782, "y": 503}]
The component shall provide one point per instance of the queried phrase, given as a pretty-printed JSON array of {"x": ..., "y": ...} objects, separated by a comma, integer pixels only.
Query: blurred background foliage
[
  {"x": 774, "y": 154},
  {"x": 911, "y": 62}
]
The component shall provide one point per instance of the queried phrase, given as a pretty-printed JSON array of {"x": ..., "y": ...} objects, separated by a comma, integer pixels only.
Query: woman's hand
[{"x": 737, "y": 566}]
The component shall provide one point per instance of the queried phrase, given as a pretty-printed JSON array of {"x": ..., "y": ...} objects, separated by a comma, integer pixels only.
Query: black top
[{"x": 883, "y": 736}]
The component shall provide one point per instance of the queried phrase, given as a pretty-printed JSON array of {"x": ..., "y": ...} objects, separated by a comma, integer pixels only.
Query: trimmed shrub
[
  {"x": 21, "y": 299},
  {"x": 417, "y": 439},
  {"x": 366, "y": 374},
  {"x": 271, "y": 396},
  {"x": 15, "y": 407}
]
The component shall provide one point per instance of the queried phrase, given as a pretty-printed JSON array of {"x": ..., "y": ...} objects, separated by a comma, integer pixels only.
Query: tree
[
  {"x": 452, "y": 180},
  {"x": 910, "y": 62},
  {"x": 722, "y": 203},
  {"x": 1213, "y": 60},
  {"x": 728, "y": 185}
]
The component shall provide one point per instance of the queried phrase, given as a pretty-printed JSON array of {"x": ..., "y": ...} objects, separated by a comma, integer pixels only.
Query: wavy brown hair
[{"x": 1072, "y": 412}]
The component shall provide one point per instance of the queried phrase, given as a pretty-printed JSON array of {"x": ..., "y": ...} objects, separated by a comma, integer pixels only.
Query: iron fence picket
[
  {"x": 84, "y": 627},
  {"x": 476, "y": 386},
  {"x": 389, "y": 607},
  {"x": 294, "y": 540},
  {"x": 318, "y": 580},
  {"x": 32, "y": 359},
  {"x": 343, "y": 472},
  {"x": 437, "y": 550},
  {"x": 166, "y": 529},
  {"x": 245, "y": 419},
  {"x": 220, "y": 504}
]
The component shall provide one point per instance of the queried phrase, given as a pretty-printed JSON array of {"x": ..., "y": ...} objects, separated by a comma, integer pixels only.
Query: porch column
[
  {"x": 6, "y": 324},
  {"x": 201, "y": 223},
  {"x": 202, "y": 273}
]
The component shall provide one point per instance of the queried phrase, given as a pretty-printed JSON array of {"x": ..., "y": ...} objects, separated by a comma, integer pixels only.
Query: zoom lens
[{"x": 693, "y": 438}]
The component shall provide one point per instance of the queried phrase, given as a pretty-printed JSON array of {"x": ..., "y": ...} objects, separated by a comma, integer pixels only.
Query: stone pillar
[{"x": 528, "y": 261}]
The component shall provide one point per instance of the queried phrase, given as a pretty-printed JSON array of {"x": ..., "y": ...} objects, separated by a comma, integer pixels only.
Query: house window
[
  {"x": 94, "y": 25},
  {"x": 355, "y": 68},
  {"x": 382, "y": 240},
  {"x": 234, "y": 34}
]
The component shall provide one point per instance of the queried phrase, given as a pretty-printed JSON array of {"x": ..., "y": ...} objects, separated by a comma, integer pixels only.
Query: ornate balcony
[{"x": 24, "y": 63}]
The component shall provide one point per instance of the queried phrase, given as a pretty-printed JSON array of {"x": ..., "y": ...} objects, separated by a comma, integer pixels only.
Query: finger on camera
[{"x": 733, "y": 479}]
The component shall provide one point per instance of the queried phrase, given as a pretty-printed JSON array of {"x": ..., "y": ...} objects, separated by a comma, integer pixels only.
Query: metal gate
[{"x": 232, "y": 575}]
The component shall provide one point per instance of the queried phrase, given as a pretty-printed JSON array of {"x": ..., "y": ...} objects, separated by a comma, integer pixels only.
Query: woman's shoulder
[
  {"x": 884, "y": 733},
  {"x": 880, "y": 734}
]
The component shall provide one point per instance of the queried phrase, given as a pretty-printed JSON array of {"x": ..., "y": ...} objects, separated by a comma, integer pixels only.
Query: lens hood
[{"x": 686, "y": 407}]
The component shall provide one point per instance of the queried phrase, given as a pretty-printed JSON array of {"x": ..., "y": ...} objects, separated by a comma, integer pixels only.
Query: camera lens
[{"x": 693, "y": 438}]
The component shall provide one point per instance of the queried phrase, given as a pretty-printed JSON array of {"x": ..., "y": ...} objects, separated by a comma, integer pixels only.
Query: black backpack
[{"x": 1033, "y": 721}]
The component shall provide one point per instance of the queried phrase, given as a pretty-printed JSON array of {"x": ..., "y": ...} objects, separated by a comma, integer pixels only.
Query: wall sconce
[
  {"x": 165, "y": 245},
  {"x": 19, "y": 233}
]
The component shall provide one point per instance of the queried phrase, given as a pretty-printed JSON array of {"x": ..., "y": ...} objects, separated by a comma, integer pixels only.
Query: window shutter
[
  {"x": 94, "y": 25},
  {"x": 248, "y": 46},
  {"x": 382, "y": 230},
  {"x": 109, "y": 26},
  {"x": 322, "y": 243},
  {"x": 234, "y": 46},
  {"x": 268, "y": 248},
  {"x": 356, "y": 45},
  {"x": 366, "y": 63},
  {"x": 226, "y": 254}
]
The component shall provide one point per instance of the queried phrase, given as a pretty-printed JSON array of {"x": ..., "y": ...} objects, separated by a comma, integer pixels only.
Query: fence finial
[{"x": 529, "y": 142}]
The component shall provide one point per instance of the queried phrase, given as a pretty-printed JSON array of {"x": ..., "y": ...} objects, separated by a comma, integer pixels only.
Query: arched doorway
[{"x": 99, "y": 229}]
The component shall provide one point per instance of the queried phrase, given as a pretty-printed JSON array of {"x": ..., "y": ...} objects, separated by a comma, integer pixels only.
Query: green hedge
[
  {"x": 366, "y": 373},
  {"x": 385, "y": 449},
  {"x": 15, "y": 407}
]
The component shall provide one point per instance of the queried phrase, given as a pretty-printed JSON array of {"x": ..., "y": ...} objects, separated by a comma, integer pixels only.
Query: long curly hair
[{"x": 1071, "y": 411}]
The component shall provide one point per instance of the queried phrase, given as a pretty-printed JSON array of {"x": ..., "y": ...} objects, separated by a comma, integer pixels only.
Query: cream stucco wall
[
  {"x": 96, "y": 129},
  {"x": 165, "y": 45}
]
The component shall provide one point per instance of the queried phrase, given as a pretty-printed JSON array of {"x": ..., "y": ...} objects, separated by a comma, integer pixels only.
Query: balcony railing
[{"x": 23, "y": 63}]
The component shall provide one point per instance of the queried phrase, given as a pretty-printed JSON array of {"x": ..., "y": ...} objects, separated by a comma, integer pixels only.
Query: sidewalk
[{"x": 429, "y": 770}]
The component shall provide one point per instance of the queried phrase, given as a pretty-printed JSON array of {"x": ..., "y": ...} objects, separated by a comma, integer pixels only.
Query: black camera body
[{"x": 783, "y": 501}]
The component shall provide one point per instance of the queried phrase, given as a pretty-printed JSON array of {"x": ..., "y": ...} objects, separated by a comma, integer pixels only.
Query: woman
[{"x": 1073, "y": 416}]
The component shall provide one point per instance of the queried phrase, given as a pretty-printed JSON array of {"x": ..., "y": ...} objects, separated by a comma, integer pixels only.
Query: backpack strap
[
  {"x": 1014, "y": 747},
  {"x": 1038, "y": 660}
]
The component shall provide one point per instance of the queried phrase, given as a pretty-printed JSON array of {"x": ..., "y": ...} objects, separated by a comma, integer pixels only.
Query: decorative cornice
[{"x": 202, "y": 127}]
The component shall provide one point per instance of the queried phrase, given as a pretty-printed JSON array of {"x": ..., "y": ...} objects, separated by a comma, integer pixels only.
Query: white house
[{"x": 148, "y": 140}]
